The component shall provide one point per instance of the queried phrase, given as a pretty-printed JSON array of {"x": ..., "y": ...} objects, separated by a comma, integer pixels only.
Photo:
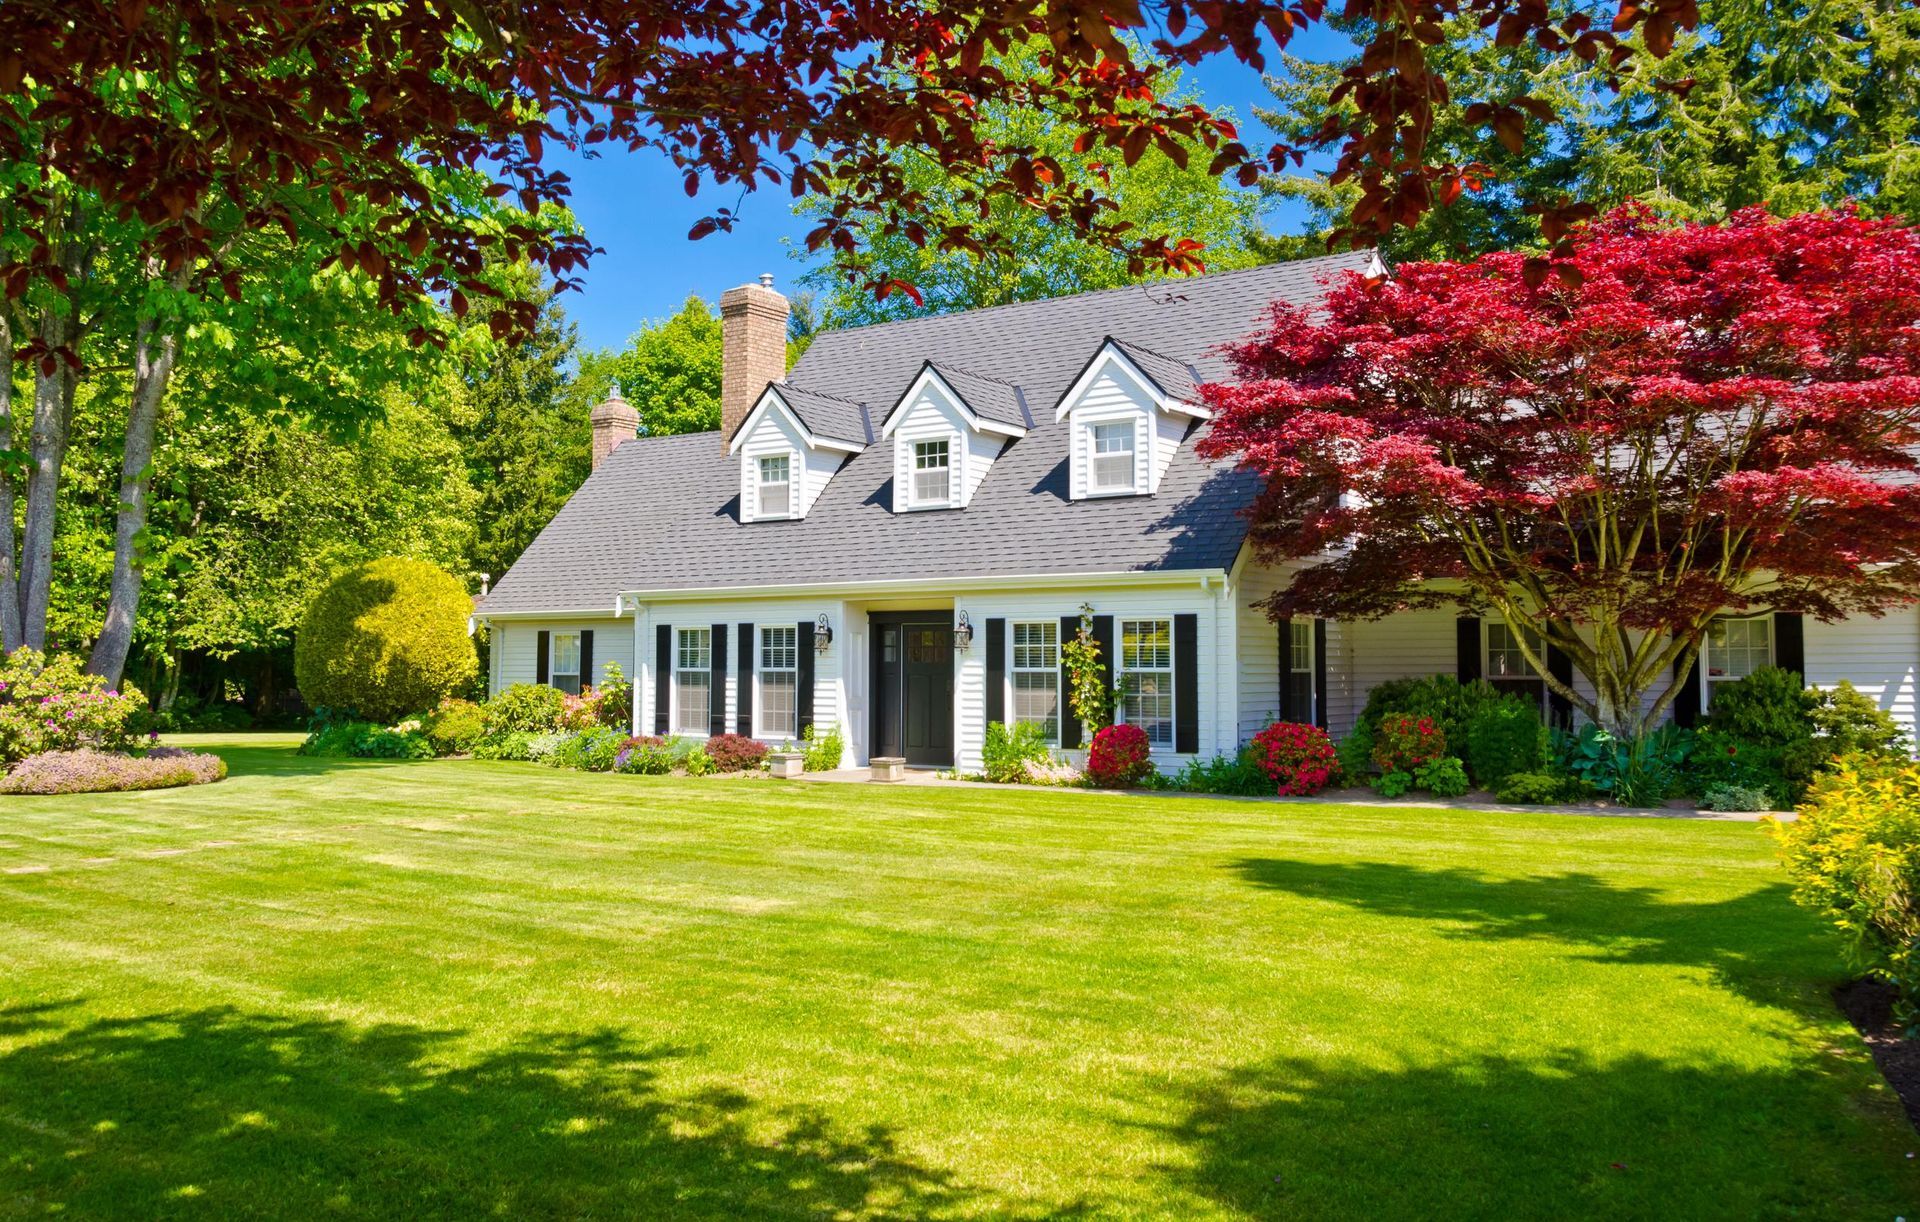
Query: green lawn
[{"x": 330, "y": 988}]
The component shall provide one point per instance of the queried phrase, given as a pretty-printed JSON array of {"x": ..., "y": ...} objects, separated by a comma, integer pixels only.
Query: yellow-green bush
[
  {"x": 384, "y": 639},
  {"x": 1854, "y": 856}
]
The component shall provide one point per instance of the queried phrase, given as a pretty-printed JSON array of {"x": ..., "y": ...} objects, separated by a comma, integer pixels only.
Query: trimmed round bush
[
  {"x": 454, "y": 727},
  {"x": 1119, "y": 757},
  {"x": 1299, "y": 759},
  {"x": 736, "y": 752},
  {"x": 524, "y": 708},
  {"x": 385, "y": 638}
]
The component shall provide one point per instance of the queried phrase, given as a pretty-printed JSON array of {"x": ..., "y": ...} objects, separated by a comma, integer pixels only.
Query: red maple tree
[{"x": 1692, "y": 420}]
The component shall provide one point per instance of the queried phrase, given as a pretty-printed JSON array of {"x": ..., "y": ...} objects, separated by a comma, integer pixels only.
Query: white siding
[
  {"x": 1112, "y": 393},
  {"x": 1881, "y": 657},
  {"x": 1407, "y": 645},
  {"x": 774, "y": 433},
  {"x": 516, "y": 646},
  {"x": 933, "y": 417}
]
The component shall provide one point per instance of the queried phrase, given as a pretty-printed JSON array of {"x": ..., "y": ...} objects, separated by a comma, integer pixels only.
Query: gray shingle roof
[
  {"x": 1176, "y": 379},
  {"x": 828, "y": 415},
  {"x": 663, "y": 513}
]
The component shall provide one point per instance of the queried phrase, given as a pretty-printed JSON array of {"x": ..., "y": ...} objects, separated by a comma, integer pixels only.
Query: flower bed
[{"x": 88, "y": 771}]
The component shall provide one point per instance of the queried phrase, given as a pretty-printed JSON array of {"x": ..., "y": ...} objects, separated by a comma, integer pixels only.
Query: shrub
[
  {"x": 1854, "y": 855},
  {"x": 1119, "y": 757},
  {"x": 1405, "y": 741},
  {"x": 50, "y": 704},
  {"x": 86, "y": 770},
  {"x": 1504, "y": 737},
  {"x": 1736, "y": 797},
  {"x": 1449, "y": 703},
  {"x": 698, "y": 762},
  {"x": 512, "y": 746},
  {"x": 1356, "y": 756},
  {"x": 1443, "y": 778},
  {"x": 591, "y": 750},
  {"x": 736, "y": 752},
  {"x": 1240, "y": 773},
  {"x": 540, "y": 747},
  {"x": 616, "y": 697},
  {"x": 823, "y": 749},
  {"x": 1847, "y": 723},
  {"x": 1009, "y": 749},
  {"x": 454, "y": 727},
  {"x": 1720, "y": 762},
  {"x": 1296, "y": 759},
  {"x": 1392, "y": 784},
  {"x": 645, "y": 755},
  {"x": 1533, "y": 788},
  {"x": 385, "y": 637},
  {"x": 531, "y": 708},
  {"x": 1769, "y": 717},
  {"x": 1639, "y": 773},
  {"x": 331, "y": 736}
]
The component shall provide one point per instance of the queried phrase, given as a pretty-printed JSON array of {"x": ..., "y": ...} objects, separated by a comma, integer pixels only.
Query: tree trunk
[
  {"x": 10, "y": 637},
  {"x": 153, "y": 357},
  {"x": 52, "y": 415}
]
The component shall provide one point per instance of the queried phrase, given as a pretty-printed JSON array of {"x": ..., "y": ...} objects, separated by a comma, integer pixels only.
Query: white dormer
[
  {"x": 784, "y": 465},
  {"x": 1128, "y": 412},
  {"x": 943, "y": 444}
]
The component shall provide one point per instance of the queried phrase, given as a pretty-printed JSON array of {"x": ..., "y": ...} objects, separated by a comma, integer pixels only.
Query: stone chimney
[
  {"x": 614, "y": 421},
  {"x": 753, "y": 349}
]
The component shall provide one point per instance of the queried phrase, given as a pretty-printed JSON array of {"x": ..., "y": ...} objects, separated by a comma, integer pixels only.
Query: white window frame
[
  {"x": 1300, "y": 645},
  {"x": 1131, "y": 428},
  {"x": 1128, "y": 669},
  {"x": 1051, "y": 630},
  {"x": 682, "y": 638},
  {"x": 1531, "y": 674},
  {"x": 1707, "y": 677},
  {"x": 914, "y": 470},
  {"x": 774, "y": 640},
  {"x": 553, "y": 659},
  {"x": 761, "y": 484}
]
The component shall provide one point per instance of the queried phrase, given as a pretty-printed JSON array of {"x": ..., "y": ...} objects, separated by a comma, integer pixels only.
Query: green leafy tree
[
  {"x": 669, "y": 371},
  {"x": 1037, "y": 253}
]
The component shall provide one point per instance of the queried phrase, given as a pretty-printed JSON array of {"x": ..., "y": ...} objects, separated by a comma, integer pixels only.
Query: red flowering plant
[
  {"x": 1404, "y": 742},
  {"x": 1298, "y": 759},
  {"x": 1119, "y": 757}
]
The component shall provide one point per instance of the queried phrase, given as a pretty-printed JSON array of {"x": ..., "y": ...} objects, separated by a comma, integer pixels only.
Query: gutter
[{"x": 1136, "y": 578}]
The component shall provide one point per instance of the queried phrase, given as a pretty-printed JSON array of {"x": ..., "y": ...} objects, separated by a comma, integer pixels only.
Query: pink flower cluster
[{"x": 1298, "y": 759}]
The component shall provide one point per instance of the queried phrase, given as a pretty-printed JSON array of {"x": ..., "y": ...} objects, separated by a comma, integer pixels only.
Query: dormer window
[
  {"x": 1112, "y": 448},
  {"x": 932, "y": 472},
  {"x": 776, "y": 486}
]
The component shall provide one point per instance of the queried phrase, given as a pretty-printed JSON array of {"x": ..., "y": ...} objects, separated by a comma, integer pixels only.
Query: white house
[{"x": 897, "y": 535}]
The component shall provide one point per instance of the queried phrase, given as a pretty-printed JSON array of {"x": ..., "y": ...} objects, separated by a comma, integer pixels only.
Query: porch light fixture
[
  {"x": 822, "y": 633},
  {"x": 963, "y": 633}
]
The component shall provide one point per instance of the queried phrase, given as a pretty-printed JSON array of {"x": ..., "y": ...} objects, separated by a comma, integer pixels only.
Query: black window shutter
[
  {"x": 1287, "y": 711},
  {"x": 1069, "y": 721},
  {"x": 1186, "y": 684},
  {"x": 717, "y": 698},
  {"x": 662, "y": 676},
  {"x": 996, "y": 671},
  {"x": 1466, "y": 647},
  {"x": 542, "y": 658},
  {"x": 1559, "y": 708},
  {"x": 1320, "y": 673},
  {"x": 1790, "y": 643},
  {"x": 745, "y": 697},
  {"x": 1686, "y": 705},
  {"x": 803, "y": 698},
  {"x": 586, "y": 657}
]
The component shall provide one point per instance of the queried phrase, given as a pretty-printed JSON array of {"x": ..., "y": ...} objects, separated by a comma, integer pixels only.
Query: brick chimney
[
  {"x": 753, "y": 349},
  {"x": 614, "y": 421}
]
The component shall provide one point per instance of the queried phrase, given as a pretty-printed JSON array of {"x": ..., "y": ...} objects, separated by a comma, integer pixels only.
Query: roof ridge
[
  {"x": 1138, "y": 286},
  {"x": 822, "y": 394},
  {"x": 972, "y": 373}
]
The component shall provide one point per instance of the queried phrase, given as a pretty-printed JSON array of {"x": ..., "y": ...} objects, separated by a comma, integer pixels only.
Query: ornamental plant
[
  {"x": 1403, "y": 743},
  {"x": 526, "y": 708},
  {"x": 386, "y": 637},
  {"x": 736, "y": 752},
  {"x": 1684, "y": 420},
  {"x": 1299, "y": 759},
  {"x": 86, "y": 770},
  {"x": 1119, "y": 758},
  {"x": 50, "y": 704},
  {"x": 1089, "y": 693}
]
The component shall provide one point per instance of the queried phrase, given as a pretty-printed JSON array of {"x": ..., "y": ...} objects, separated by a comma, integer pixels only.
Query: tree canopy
[{"x": 1706, "y": 418}]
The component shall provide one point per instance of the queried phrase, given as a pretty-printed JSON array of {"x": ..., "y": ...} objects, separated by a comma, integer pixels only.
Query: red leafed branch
[{"x": 1703, "y": 418}]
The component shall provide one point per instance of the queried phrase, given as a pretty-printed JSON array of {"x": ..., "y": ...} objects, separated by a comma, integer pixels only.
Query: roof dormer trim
[
  {"x": 1113, "y": 352},
  {"x": 929, "y": 375},
  {"x": 771, "y": 400}
]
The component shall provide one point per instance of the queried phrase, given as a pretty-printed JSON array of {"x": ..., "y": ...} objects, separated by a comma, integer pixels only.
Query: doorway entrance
[{"x": 912, "y": 669}]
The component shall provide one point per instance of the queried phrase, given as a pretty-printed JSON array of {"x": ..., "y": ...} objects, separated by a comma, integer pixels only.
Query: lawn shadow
[
  {"x": 1756, "y": 943},
  {"x": 232, "y": 1113},
  {"x": 1556, "y": 1136}
]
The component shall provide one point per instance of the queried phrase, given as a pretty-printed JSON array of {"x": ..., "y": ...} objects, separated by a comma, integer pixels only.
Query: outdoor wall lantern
[
  {"x": 963, "y": 633},
  {"x": 822, "y": 633}
]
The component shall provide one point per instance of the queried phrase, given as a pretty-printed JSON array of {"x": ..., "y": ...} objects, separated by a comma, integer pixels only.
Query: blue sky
[{"x": 634, "y": 207}]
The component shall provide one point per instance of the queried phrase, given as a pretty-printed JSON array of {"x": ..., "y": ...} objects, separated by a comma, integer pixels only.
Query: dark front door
[{"x": 913, "y": 687}]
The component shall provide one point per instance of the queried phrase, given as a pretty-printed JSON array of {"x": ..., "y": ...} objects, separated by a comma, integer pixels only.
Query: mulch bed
[{"x": 1868, "y": 1005}]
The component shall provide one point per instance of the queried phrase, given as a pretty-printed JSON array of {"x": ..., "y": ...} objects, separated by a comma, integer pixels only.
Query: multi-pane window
[
  {"x": 776, "y": 486},
  {"x": 1146, "y": 685},
  {"x": 693, "y": 680},
  {"x": 564, "y": 662},
  {"x": 1507, "y": 667},
  {"x": 932, "y": 472},
  {"x": 1737, "y": 647},
  {"x": 1300, "y": 669},
  {"x": 779, "y": 681},
  {"x": 1036, "y": 676},
  {"x": 1112, "y": 445}
]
